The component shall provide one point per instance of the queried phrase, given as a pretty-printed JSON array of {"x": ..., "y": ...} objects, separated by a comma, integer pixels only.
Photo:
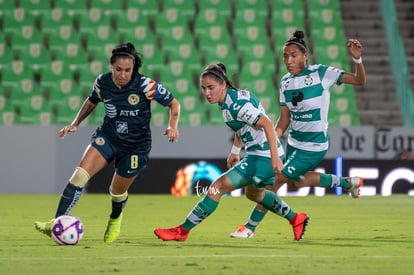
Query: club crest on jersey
[
  {"x": 308, "y": 80},
  {"x": 133, "y": 99},
  {"x": 99, "y": 141}
]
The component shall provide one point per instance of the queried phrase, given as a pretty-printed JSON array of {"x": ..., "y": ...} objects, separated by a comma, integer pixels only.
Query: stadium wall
[{"x": 34, "y": 160}]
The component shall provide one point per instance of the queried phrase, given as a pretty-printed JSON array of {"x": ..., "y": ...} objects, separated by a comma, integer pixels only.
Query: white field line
[{"x": 48, "y": 258}]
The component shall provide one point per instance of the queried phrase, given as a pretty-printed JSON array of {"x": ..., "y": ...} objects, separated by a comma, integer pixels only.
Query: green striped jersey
[
  {"x": 241, "y": 110},
  {"x": 307, "y": 97}
]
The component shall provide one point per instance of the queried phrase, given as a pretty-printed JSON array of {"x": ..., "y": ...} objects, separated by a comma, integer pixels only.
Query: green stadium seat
[
  {"x": 95, "y": 22},
  {"x": 214, "y": 9},
  {"x": 34, "y": 111},
  {"x": 53, "y": 20},
  {"x": 13, "y": 73},
  {"x": 111, "y": 8},
  {"x": 253, "y": 41},
  {"x": 248, "y": 13},
  {"x": 17, "y": 22},
  {"x": 134, "y": 26},
  {"x": 54, "y": 74},
  {"x": 213, "y": 114},
  {"x": 97, "y": 115},
  {"x": 287, "y": 17},
  {"x": 7, "y": 7},
  {"x": 73, "y": 8},
  {"x": 193, "y": 119},
  {"x": 184, "y": 9},
  {"x": 37, "y": 8}
]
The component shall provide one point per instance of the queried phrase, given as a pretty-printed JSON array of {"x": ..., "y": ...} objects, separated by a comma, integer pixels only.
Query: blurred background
[{"x": 52, "y": 50}]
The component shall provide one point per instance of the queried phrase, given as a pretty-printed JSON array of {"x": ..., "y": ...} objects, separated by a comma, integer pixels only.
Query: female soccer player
[
  {"x": 304, "y": 101},
  {"x": 124, "y": 136},
  {"x": 244, "y": 114}
]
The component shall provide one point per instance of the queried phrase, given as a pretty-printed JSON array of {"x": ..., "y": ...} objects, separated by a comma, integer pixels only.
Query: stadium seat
[
  {"x": 51, "y": 21},
  {"x": 111, "y": 8},
  {"x": 73, "y": 8},
  {"x": 250, "y": 13},
  {"x": 253, "y": 41},
  {"x": 34, "y": 111},
  {"x": 185, "y": 8},
  {"x": 214, "y": 9},
  {"x": 38, "y": 8},
  {"x": 13, "y": 74},
  {"x": 287, "y": 17}
]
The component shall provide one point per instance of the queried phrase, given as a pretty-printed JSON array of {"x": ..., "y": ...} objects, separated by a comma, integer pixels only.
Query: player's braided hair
[
  {"x": 297, "y": 39},
  {"x": 127, "y": 49},
  {"x": 219, "y": 72}
]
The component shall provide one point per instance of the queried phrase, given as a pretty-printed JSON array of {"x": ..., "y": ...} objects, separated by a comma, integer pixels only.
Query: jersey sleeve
[
  {"x": 331, "y": 76},
  {"x": 155, "y": 91},
  {"x": 95, "y": 95},
  {"x": 249, "y": 113}
]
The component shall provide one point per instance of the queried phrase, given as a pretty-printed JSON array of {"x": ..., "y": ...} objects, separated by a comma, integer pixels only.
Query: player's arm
[
  {"x": 283, "y": 121},
  {"x": 86, "y": 108},
  {"x": 357, "y": 78},
  {"x": 172, "y": 131},
  {"x": 267, "y": 125},
  {"x": 234, "y": 155}
]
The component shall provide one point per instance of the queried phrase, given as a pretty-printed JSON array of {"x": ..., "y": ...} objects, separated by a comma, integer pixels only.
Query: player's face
[
  {"x": 213, "y": 90},
  {"x": 295, "y": 60},
  {"x": 122, "y": 70}
]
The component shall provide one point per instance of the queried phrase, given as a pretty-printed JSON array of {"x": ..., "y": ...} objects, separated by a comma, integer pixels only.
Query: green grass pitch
[{"x": 371, "y": 235}]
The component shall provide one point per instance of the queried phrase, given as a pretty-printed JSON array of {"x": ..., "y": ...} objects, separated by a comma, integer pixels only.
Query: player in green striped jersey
[
  {"x": 245, "y": 115},
  {"x": 304, "y": 101}
]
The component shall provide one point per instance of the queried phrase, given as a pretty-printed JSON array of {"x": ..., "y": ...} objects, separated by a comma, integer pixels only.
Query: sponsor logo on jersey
[{"x": 122, "y": 127}]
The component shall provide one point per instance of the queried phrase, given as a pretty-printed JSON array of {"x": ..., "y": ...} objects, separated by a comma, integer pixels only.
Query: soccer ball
[{"x": 67, "y": 230}]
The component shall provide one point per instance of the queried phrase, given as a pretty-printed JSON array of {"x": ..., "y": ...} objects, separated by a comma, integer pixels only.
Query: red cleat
[
  {"x": 172, "y": 234},
  {"x": 299, "y": 223}
]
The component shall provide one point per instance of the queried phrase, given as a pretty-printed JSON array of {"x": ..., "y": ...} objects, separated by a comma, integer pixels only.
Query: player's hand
[
  {"x": 232, "y": 160},
  {"x": 277, "y": 165},
  {"x": 354, "y": 48},
  {"x": 172, "y": 134},
  {"x": 67, "y": 129}
]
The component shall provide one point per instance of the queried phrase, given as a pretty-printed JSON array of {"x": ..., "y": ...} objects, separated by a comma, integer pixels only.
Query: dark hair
[
  {"x": 219, "y": 72},
  {"x": 297, "y": 39},
  {"x": 127, "y": 50}
]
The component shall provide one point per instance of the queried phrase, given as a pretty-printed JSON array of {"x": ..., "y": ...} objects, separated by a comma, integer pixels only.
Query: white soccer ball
[{"x": 67, "y": 230}]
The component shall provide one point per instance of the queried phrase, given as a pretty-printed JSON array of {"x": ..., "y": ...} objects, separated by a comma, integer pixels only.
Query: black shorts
[{"x": 127, "y": 162}]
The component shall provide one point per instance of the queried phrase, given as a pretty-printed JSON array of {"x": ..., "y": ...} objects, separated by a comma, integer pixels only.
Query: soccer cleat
[
  {"x": 355, "y": 184},
  {"x": 113, "y": 229},
  {"x": 299, "y": 223},
  {"x": 44, "y": 227},
  {"x": 172, "y": 234},
  {"x": 242, "y": 232}
]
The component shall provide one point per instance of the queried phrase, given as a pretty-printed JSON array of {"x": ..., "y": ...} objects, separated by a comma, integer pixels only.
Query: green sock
[
  {"x": 331, "y": 181},
  {"x": 275, "y": 204},
  {"x": 325, "y": 180},
  {"x": 255, "y": 218},
  {"x": 202, "y": 210}
]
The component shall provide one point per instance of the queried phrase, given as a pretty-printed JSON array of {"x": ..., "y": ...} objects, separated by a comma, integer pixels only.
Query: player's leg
[
  {"x": 302, "y": 175},
  {"x": 271, "y": 201},
  {"x": 91, "y": 162},
  {"x": 126, "y": 170},
  {"x": 204, "y": 208}
]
